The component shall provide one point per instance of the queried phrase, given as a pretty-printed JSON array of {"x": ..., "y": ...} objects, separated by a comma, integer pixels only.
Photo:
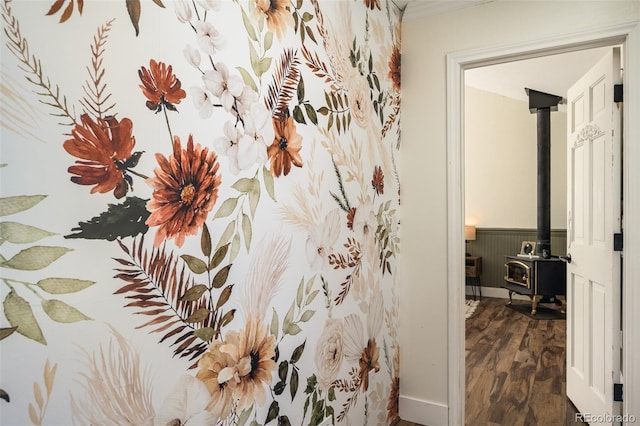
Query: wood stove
[{"x": 539, "y": 274}]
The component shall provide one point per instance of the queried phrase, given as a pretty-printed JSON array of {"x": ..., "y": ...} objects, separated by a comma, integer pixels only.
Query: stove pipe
[{"x": 542, "y": 104}]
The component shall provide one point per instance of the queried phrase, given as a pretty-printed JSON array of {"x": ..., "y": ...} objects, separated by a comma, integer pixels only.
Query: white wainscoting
[{"x": 424, "y": 412}]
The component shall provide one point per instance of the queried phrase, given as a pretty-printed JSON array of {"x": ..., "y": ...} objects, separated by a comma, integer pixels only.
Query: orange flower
[
  {"x": 286, "y": 146},
  {"x": 160, "y": 86},
  {"x": 372, "y": 4},
  {"x": 253, "y": 349},
  {"x": 378, "y": 180},
  {"x": 368, "y": 362},
  {"x": 395, "y": 68},
  {"x": 277, "y": 14},
  {"x": 104, "y": 148},
  {"x": 185, "y": 189}
]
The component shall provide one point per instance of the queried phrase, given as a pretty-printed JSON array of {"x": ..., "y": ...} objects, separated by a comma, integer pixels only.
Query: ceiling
[{"x": 553, "y": 74}]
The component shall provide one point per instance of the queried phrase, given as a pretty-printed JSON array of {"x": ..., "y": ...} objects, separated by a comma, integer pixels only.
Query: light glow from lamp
[{"x": 469, "y": 233}]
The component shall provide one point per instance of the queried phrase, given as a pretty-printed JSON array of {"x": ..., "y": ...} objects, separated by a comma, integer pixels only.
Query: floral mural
[{"x": 199, "y": 204}]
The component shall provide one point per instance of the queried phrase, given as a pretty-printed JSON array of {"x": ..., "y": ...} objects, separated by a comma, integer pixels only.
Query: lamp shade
[{"x": 469, "y": 233}]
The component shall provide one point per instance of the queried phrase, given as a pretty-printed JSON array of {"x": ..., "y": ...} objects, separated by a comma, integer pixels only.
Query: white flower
[
  {"x": 186, "y": 405},
  {"x": 209, "y": 4},
  {"x": 329, "y": 353},
  {"x": 202, "y": 101},
  {"x": 209, "y": 39},
  {"x": 226, "y": 87},
  {"x": 322, "y": 237},
  {"x": 359, "y": 98},
  {"x": 246, "y": 100},
  {"x": 252, "y": 147},
  {"x": 228, "y": 145},
  {"x": 365, "y": 223},
  {"x": 192, "y": 55},
  {"x": 183, "y": 11}
]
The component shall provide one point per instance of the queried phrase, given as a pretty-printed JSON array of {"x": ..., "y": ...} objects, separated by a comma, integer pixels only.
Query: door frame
[{"x": 627, "y": 35}]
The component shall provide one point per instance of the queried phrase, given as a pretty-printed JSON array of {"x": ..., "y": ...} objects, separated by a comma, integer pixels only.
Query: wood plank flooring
[{"x": 515, "y": 368}]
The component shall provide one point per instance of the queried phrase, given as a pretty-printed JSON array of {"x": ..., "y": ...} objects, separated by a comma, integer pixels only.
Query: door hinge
[
  {"x": 617, "y": 242},
  {"x": 617, "y": 391},
  {"x": 617, "y": 93}
]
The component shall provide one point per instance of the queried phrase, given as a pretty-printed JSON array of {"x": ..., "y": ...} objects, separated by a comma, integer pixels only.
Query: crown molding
[{"x": 416, "y": 9}]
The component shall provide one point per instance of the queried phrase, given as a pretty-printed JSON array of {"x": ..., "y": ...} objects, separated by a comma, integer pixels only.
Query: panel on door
[{"x": 594, "y": 215}]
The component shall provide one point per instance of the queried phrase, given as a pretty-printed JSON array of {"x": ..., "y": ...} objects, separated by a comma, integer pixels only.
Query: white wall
[
  {"x": 426, "y": 42},
  {"x": 501, "y": 166}
]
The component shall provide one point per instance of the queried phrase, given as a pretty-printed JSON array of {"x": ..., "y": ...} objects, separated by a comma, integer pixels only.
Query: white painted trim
[
  {"x": 423, "y": 412},
  {"x": 631, "y": 208},
  {"x": 629, "y": 34}
]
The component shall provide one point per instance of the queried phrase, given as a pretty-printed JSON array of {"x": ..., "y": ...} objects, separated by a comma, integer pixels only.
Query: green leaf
[
  {"x": 4, "y": 395},
  {"x": 63, "y": 285},
  {"x": 227, "y": 207},
  {"x": 306, "y": 17},
  {"x": 235, "y": 247},
  {"x": 293, "y": 384},
  {"x": 332, "y": 394},
  {"x": 247, "y": 25},
  {"x": 279, "y": 387},
  {"x": 194, "y": 293},
  {"x": 297, "y": 115},
  {"x": 221, "y": 277},
  {"x": 12, "y": 205},
  {"x": 246, "y": 230},
  {"x": 219, "y": 256},
  {"x": 254, "y": 196},
  {"x": 244, "y": 417},
  {"x": 226, "y": 235},
  {"x": 19, "y": 314},
  {"x": 274, "y": 410},
  {"x": 297, "y": 352},
  {"x": 120, "y": 220},
  {"x": 311, "y": 297},
  {"x": 205, "y": 241},
  {"x": 198, "y": 316},
  {"x": 291, "y": 329},
  {"x": 197, "y": 266},
  {"x": 18, "y": 233},
  {"x": 288, "y": 318},
  {"x": 6, "y": 332},
  {"x": 311, "y": 35},
  {"x": 275, "y": 324},
  {"x": 268, "y": 40},
  {"x": 283, "y": 370},
  {"x": 248, "y": 80},
  {"x": 59, "y": 311},
  {"x": 227, "y": 318},
  {"x": 300, "y": 293},
  {"x": 35, "y": 258},
  {"x": 263, "y": 66},
  {"x": 269, "y": 183},
  {"x": 300, "y": 90},
  {"x": 205, "y": 333},
  {"x": 224, "y": 296},
  {"x": 323, "y": 110},
  {"x": 243, "y": 185},
  {"x": 311, "y": 113},
  {"x": 307, "y": 315},
  {"x": 255, "y": 60},
  {"x": 284, "y": 421}
]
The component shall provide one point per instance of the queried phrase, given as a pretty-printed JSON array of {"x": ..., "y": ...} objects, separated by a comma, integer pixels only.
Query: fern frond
[
  {"x": 95, "y": 101},
  {"x": 284, "y": 85},
  {"x": 154, "y": 286},
  {"x": 19, "y": 46}
]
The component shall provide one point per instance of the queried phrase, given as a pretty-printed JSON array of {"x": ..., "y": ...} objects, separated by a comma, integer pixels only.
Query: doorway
[{"x": 629, "y": 36}]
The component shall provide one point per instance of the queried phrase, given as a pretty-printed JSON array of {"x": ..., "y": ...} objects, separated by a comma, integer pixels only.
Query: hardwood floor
[{"x": 515, "y": 368}]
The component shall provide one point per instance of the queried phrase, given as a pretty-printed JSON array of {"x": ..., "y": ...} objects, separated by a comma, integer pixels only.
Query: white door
[{"x": 594, "y": 215}]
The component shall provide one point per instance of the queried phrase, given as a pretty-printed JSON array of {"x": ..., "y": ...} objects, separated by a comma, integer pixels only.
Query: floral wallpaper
[{"x": 199, "y": 204}]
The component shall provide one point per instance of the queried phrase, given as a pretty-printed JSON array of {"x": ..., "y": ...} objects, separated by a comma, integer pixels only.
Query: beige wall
[
  {"x": 500, "y": 162},
  {"x": 426, "y": 42}
]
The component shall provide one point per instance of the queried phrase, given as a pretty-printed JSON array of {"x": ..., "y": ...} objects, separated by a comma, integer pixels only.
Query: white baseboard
[
  {"x": 423, "y": 412},
  {"x": 498, "y": 292}
]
